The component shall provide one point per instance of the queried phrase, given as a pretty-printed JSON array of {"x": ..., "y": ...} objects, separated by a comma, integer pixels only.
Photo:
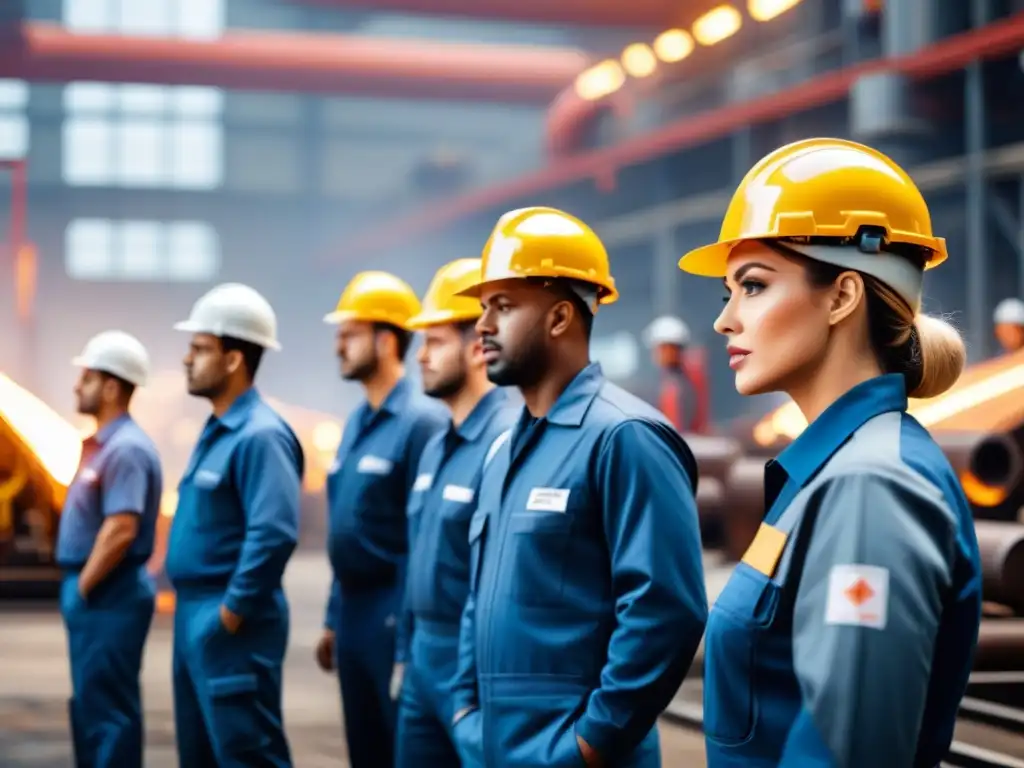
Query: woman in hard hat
[{"x": 845, "y": 636}]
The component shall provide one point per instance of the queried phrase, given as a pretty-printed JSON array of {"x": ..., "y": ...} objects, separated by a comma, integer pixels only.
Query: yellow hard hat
[
  {"x": 821, "y": 188},
  {"x": 442, "y": 303},
  {"x": 376, "y": 297},
  {"x": 545, "y": 242}
]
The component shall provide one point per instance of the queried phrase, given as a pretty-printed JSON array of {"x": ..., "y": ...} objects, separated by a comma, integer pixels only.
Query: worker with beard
[
  {"x": 234, "y": 531},
  {"x": 442, "y": 502},
  {"x": 368, "y": 489},
  {"x": 105, "y": 538},
  {"x": 587, "y": 598}
]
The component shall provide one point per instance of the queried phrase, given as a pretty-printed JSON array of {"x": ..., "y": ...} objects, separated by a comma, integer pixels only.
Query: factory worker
[
  {"x": 105, "y": 537},
  {"x": 234, "y": 530},
  {"x": 587, "y": 598},
  {"x": 368, "y": 490},
  {"x": 845, "y": 636}
]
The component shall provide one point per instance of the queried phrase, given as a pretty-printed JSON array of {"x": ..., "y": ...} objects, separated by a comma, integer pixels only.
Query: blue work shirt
[
  {"x": 587, "y": 598},
  {"x": 442, "y": 501},
  {"x": 846, "y": 635},
  {"x": 237, "y": 521},
  {"x": 368, "y": 489},
  {"x": 119, "y": 472}
]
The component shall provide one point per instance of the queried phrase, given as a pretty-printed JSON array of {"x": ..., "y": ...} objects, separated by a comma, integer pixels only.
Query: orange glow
[
  {"x": 987, "y": 397},
  {"x": 25, "y": 278},
  {"x": 766, "y": 10},
  {"x": 55, "y": 442},
  {"x": 673, "y": 45},
  {"x": 165, "y": 601},
  {"x": 639, "y": 60},
  {"x": 981, "y": 494}
]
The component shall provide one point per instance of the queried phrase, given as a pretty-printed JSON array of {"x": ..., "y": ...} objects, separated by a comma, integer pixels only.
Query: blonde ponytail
[{"x": 941, "y": 356}]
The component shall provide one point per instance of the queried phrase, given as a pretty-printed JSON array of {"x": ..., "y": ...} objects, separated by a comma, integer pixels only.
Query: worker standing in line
[
  {"x": 104, "y": 540},
  {"x": 443, "y": 499},
  {"x": 234, "y": 531},
  {"x": 368, "y": 489},
  {"x": 1009, "y": 324},
  {"x": 845, "y": 636},
  {"x": 587, "y": 598},
  {"x": 682, "y": 386}
]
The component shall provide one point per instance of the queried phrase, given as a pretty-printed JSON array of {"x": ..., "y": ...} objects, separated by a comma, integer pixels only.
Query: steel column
[{"x": 979, "y": 343}]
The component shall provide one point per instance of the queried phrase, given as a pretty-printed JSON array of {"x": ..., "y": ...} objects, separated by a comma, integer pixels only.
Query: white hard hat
[
  {"x": 1009, "y": 312},
  {"x": 667, "y": 330},
  {"x": 234, "y": 310},
  {"x": 117, "y": 353}
]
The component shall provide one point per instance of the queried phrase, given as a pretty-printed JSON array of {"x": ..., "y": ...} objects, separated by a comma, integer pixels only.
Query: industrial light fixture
[
  {"x": 716, "y": 25},
  {"x": 673, "y": 45},
  {"x": 639, "y": 60},
  {"x": 766, "y": 10},
  {"x": 600, "y": 80}
]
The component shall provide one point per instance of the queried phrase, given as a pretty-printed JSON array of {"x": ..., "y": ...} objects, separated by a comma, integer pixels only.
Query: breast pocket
[
  {"x": 477, "y": 541},
  {"x": 739, "y": 620},
  {"x": 540, "y": 547},
  {"x": 214, "y": 495}
]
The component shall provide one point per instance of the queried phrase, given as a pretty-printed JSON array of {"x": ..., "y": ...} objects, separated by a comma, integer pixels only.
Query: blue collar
[
  {"x": 827, "y": 433},
  {"x": 574, "y": 402},
  {"x": 395, "y": 402},
  {"x": 478, "y": 418},
  {"x": 109, "y": 430},
  {"x": 239, "y": 411}
]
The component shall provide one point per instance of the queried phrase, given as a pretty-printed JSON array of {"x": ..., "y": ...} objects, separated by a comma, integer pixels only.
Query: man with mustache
[
  {"x": 105, "y": 538},
  {"x": 587, "y": 598},
  {"x": 367, "y": 492},
  {"x": 234, "y": 531},
  {"x": 442, "y": 501}
]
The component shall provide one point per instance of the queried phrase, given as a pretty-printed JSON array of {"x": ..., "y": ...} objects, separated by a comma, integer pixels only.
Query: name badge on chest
[
  {"x": 423, "y": 482},
  {"x": 374, "y": 465},
  {"x": 458, "y": 493},
  {"x": 548, "y": 500}
]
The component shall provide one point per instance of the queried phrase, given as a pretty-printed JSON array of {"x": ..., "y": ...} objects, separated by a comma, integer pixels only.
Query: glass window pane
[
  {"x": 198, "y": 161},
  {"x": 193, "y": 252},
  {"x": 13, "y": 136},
  {"x": 13, "y": 94},
  {"x": 149, "y": 17},
  {"x": 142, "y": 158},
  {"x": 88, "y": 151},
  {"x": 144, "y": 99},
  {"x": 194, "y": 101},
  {"x": 142, "y": 251},
  {"x": 200, "y": 19},
  {"x": 89, "y": 97},
  {"x": 89, "y": 15},
  {"x": 89, "y": 249}
]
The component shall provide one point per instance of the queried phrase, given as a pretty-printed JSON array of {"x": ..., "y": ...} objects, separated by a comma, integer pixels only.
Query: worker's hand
[
  {"x": 397, "y": 676},
  {"x": 229, "y": 620},
  {"x": 590, "y": 756},
  {"x": 325, "y": 651}
]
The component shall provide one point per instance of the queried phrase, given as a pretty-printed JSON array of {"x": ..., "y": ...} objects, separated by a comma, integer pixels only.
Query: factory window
[
  {"x": 141, "y": 251},
  {"x": 144, "y": 135},
  {"x": 13, "y": 121},
  {"x": 190, "y": 19}
]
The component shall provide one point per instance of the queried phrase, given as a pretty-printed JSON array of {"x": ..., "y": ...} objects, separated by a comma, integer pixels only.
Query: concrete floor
[{"x": 34, "y": 687}]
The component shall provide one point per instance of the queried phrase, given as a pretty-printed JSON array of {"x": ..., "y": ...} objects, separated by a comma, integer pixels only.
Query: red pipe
[
  {"x": 1001, "y": 38},
  {"x": 345, "y": 64},
  {"x": 608, "y": 13}
]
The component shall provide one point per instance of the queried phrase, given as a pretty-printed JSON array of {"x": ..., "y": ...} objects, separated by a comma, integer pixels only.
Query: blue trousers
[
  {"x": 364, "y": 628},
  {"x": 227, "y": 688},
  {"x": 425, "y": 711},
  {"x": 106, "y": 636}
]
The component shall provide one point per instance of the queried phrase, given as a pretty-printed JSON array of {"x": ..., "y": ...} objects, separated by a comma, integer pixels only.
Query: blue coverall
[
  {"x": 234, "y": 531},
  {"x": 119, "y": 473},
  {"x": 587, "y": 599},
  {"x": 441, "y": 504},
  {"x": 367, "y": 492},
  {"x": 845, "y": 637}
]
